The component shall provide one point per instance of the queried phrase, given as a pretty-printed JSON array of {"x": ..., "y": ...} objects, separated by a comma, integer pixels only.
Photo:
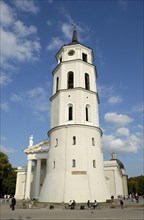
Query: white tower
[{"x": 75, "y": 158}]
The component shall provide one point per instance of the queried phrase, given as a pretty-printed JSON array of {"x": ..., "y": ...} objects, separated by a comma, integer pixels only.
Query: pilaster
[{"x": 28, "y": 180}]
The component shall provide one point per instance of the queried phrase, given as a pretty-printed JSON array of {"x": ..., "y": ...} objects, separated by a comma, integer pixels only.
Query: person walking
[
  {"x": 13, "y": 203},
  {"x": 88, "y": 204},
  {"x": 121, "y": 203}
]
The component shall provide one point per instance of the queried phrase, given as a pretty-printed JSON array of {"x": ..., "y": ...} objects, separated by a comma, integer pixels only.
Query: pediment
[{"x": 43, "y": 146}]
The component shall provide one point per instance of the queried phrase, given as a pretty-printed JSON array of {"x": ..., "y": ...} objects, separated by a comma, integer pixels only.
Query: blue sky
[{"x": 31, "y": 34}]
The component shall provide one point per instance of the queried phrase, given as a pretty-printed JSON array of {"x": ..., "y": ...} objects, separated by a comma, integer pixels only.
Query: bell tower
[{"x": 75, "y": 158}]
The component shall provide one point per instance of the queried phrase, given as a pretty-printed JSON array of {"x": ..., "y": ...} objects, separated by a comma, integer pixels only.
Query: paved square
[{"x": 62, "y": 214}]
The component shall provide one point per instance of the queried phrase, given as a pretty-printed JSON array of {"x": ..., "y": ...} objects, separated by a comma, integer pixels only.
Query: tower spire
[{"x": 74, "y": 37}]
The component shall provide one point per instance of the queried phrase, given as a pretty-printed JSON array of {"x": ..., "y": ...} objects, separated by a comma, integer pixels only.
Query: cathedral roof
[{"x": 119, "y": 163}]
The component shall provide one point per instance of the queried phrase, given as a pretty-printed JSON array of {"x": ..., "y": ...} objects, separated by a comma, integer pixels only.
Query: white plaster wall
[
  {"x": 20, "y": 183},
  {"x": 125, "y": 185},
  {"x": 119, "y": 183},
  {"x": 79, "y": 49},
  {"x": 61, "y": 184},
  {"x": 79, "y": 68},
  {"x": 79, "y": 98},
  {"x": 113, "y": 172},
  {"x": 110, "y": 175}
]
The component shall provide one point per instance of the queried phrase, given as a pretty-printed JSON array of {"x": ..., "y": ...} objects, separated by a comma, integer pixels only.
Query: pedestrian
[
  {"x": 13, "y": 203},
  {"x": 121, "y": 203},
  {"x": 95, "y": 204},
  {"x": 88, "y": 204},
  {"x": 70, "y": 203}
]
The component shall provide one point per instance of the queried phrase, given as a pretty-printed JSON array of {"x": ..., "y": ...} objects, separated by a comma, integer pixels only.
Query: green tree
[
  {"x": 136, "y": 185},
  {"x": 7, "y": 175}
]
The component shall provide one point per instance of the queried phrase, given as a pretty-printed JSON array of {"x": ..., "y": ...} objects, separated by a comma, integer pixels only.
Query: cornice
[{"x": 41, "y": 147}]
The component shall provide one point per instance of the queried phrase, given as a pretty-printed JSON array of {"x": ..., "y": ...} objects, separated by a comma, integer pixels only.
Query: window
[
  {"x": 93, "y": 142},
  {"x": 73, "y": 163},
  {"x": 84, "y": 57},
  {"x": 57, "y": 84},
  {"x": 94, "y": 164},
  {"x": 88, "y": 113},
  {"x": 74, "y": 140},
  {"x": 87, "y": 83},
  {"x": 70, "y": 80},
  {"x": 70, "y": 113},
  {"x": 60, "y": 59},
  {"x": 56, "y": 142},
  {"x": 53, "y": 164}
]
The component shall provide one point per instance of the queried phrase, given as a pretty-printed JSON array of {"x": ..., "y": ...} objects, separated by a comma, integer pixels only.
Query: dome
[{"x": 118, "y": 161}]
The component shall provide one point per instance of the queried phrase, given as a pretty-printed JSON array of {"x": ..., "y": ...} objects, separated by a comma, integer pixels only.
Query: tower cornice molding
[
  {"x": 75, "y": 125},
  {"x": 74, "y": 61},
  {"x": 74, "y": 89}
]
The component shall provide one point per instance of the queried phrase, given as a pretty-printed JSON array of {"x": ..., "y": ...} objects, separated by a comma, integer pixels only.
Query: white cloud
[
  {"x": 19, "y": 42},
  {"x": 115, "y": 100},
  {"x": 15, "y": 47},
  {"x": 140, "y": 126},
  {"x": 3, "y": 138},
  {"x": 105, "y": 91},
  {"x": 27, "y": 6},
  {"x": 16, "y": 98},
  {"x": 6, "y": 150},
  {"x": 24, "y": 31},
  {"x": 38, "y": 99},
  {"x": 67, "y": 30},
  {"x": 4, "y": 106},
  {"x": 7, "y": 14},
  {"x": 123, "y": 131},
  {"x": 117, "y": 119},
  {"x": 55, "y": 43},
  {"x": 138, "y": 108},
  {"x": 130, "y": 144},
  {"x": 4, "y": 79},
  {"x": 99, "y": 53},
  {"x": 49, "y": 22}
]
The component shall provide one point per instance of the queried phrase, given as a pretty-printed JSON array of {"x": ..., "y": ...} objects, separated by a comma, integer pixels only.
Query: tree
[
  {"x": 136, "y": 185},
  {"x": 7, "y": 175}
]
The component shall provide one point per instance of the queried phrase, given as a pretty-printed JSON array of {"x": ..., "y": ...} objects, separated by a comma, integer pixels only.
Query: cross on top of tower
[{"x": 74, "y": 37}]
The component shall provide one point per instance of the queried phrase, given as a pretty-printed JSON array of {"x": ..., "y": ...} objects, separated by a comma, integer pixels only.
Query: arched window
[
  {"x": 57, "y": 84},
  {"x": 73, "y": 163},
  {"x": 56, "y": 143},
  {"x": 74, "y": 140},
  {"x": 93, "y": 142},
  {"x": 88, "y": 113},
  {"x": 70, "y": 113},
  {"x": 70, "y": 80},
  {"x": 87, "y": 82},
  {"x": 94, "y": 164},
  {"x": 53, "y": 164}
]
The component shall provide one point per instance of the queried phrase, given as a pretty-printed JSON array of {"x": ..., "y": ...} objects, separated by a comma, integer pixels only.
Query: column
[
  {"x": 28, "y": 180},
  {"x": 37, "y": 179}
]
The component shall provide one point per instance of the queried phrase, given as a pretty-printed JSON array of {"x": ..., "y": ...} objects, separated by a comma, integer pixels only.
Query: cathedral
[{"x": 69, "y": 164}]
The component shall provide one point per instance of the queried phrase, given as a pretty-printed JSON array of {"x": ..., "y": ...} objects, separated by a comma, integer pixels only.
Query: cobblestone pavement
[{"x": 6, "y": 213}]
